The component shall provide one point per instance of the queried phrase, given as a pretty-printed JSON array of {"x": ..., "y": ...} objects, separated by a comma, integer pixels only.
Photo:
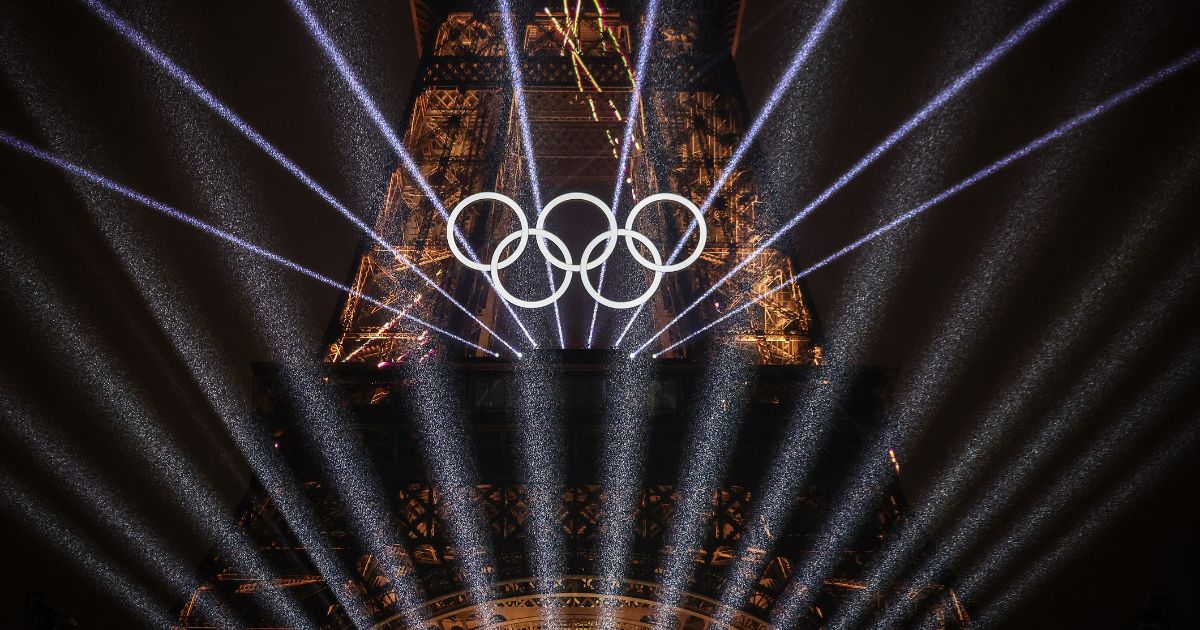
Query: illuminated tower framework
[
  {"x": 577, "y": 72},
  {"x": 462, "y": 132}
]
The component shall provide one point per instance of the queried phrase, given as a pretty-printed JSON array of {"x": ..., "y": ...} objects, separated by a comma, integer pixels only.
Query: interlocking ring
[{"x": 586, "y": 262}]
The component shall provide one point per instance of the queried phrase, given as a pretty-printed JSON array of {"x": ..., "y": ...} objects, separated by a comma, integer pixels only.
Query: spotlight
[
  {"x": 936, "y": 103},
  {"x": 163, "y": 208},
  {"x": 414, "y": 171},
  {"x": 512, "y": 51},
  {"x": 1038, "y": 143},
  {"x": 165, "y": 62},
  {"x": 651, "y": 18}
]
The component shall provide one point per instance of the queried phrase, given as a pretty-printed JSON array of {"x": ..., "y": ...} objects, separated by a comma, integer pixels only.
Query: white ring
[
  {"x": 495, "y": 269},
  {"x": 487, "y": 196},
  {"x": 612, "y": 228},
  {"x": 638, "y": 301},
  {"x": 565, "y": 263},
  {"x": 687, "y": 203}
]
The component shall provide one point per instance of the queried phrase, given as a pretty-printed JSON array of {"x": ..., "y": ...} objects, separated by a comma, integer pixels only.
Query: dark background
[{"x": 72, "y": 85}]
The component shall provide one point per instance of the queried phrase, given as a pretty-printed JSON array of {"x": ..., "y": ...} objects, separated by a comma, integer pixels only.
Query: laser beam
[
  {"x": 540, "y": 457},
  {"x": 1058, "y": 132},
  {"x": 163, "y": 208},
  {"x": 650, "y": 18},
  {"x": 999, "y": 425},
  {"x": 895, "y": 137},
  {"x": 1177, "y": 449},
  {"x": 87, "y": 487},
  {"x": 347, "y": 464},
  {"x": 446, "y": 447},
  {"x": 627, "y": 423},
  {"x": 163, "y": 61},
  {"x": 513, "y": 54},
  {"x": 100, "y": 568},
  {"x": 792, "y": 466},
  {"x": 776, "y": 97},
  {"x": 1067, "y": 492},
  {"x": 723, "y": 400},
  {"x": 130, "y": 414},
  {"x": 1068, "y": 335},
  {"x": 322, "y": 37}
]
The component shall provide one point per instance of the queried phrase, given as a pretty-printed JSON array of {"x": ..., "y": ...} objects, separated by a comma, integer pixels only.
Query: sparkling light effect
[
  {"x": 717, "y": 419},
  {"x": 441, "y": 426},
  {"x": 896, "y": 136},
  {"x": 130, "y": 413},
  {"x": 410, "y": 166},
  {"x": 100, "y": 568},
  {"x": 1065, "y": 495},
  {"x": 626, "y": 425},
  {"x": 163, "y": 208},
  {"x": 1049, "y": 137},
  {"x": 541, "y": 457},
  {"x": 777, "y": 94},
  {"x": 1175, "y": 451},
  {"x": 792, "y": 466},
  {"x": 513, "y": 53},
  {"x": 1071, "y": 336},
  {"x": 134, "y": 37},
  {"x": 1000, "y": 425},
  {"x": 59, "y": 461},
  {"x": 650, "y": 18}
]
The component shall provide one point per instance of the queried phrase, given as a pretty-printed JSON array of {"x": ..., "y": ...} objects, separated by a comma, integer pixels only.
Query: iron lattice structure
[
  {"x": 462, "y": 132},
  {"x": 382, "y": 404},
  {"x": 577, "y": 70}
]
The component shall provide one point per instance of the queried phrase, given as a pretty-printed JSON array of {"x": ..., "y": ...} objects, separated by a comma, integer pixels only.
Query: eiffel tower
[{"x": 462, "y": 130}]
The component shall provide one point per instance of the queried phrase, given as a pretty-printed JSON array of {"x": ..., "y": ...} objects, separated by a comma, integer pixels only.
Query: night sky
[{"x": 1041, "y": 235}]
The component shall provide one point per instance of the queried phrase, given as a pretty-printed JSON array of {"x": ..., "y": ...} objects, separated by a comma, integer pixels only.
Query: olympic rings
[
  {"x": 496, "y": 267},
  {"x": 586, "y": 263},
  {"x": 487, "y": 196},
  {"x": 658, "y": 275}
]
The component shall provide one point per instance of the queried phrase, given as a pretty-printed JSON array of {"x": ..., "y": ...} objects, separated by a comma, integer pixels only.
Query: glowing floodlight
[{"x": 586, "y": 262}]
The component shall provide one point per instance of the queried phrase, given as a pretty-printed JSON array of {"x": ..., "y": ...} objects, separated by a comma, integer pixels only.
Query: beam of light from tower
[
  {"x": 163, "y": 208},
  {"x": 187, "y": 81},
  {"x": 513, "y": 53},
  {"x": 446, "y": 446},
  {"x": 1060, "y": 131},
  {"x": 999, "y": 427},
  {"x": 130, "y": 413},
  {"x": 936, "y": 103},
  {"x": 58, "y": 460},
  {"x": 101, "y": 569},
  {"x": 649, "y": 21},
  {"x": 541, "y": 457},
  {"x": 327, "y": 431},
  {"x": 781, "y": 89},
  {"x": 1176, "y": 450},
  {"x": 334, "y": 441},
  {"x": 322, "y": 37},
  {"x": 1069, "y": 488},
  {"x": 626, "y": 425},
  {"x": 1069, "y": 335},
  {"x": 723, "y": 400},
  {"x": 791, "y": 467},
  {"x": 345, "y": 461}
]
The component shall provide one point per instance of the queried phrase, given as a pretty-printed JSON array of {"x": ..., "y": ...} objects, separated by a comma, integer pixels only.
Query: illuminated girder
[
  {"x": 577, "y": 74},
  {"x": 379, "y": 400},
  {"x": 461, "y": 131},
  {"x": 422, "y": 531}
]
